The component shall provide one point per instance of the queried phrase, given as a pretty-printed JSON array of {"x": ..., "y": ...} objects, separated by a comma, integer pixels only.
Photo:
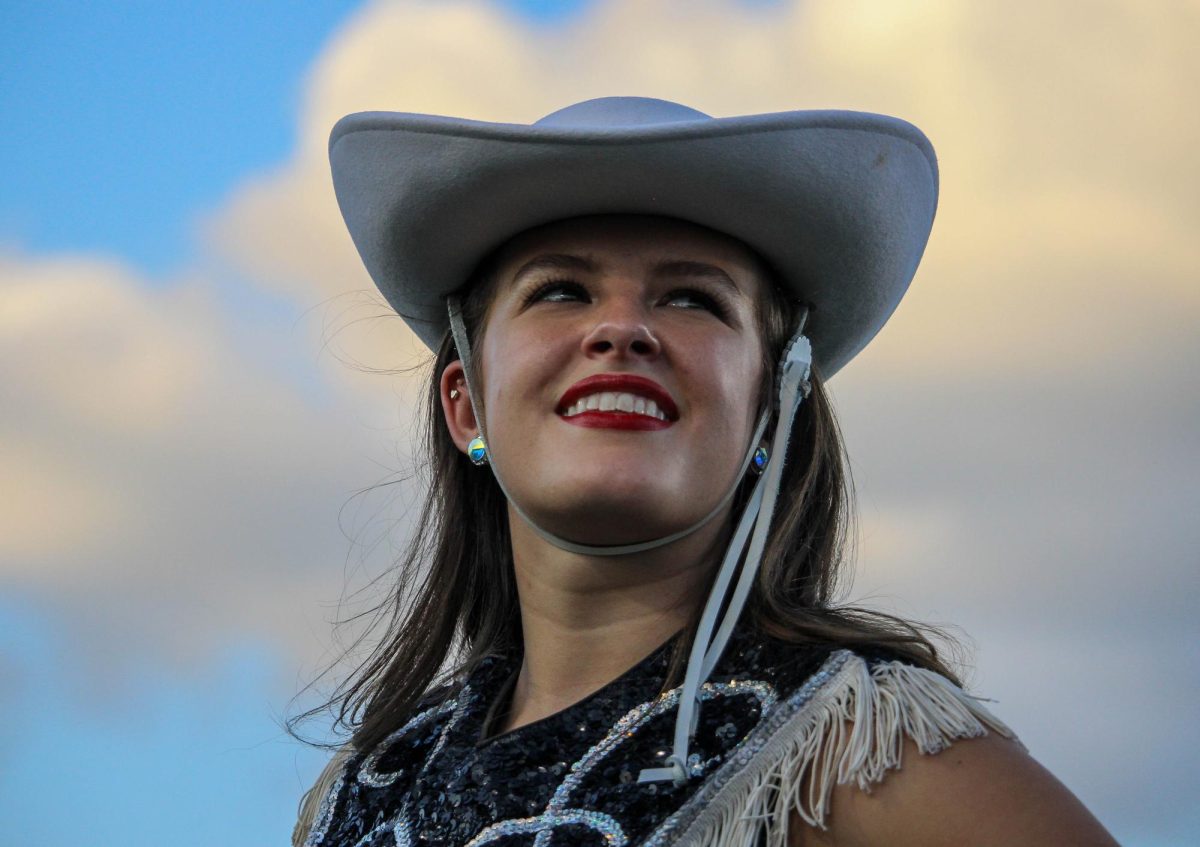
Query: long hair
[{"x": 454, "y": 599}]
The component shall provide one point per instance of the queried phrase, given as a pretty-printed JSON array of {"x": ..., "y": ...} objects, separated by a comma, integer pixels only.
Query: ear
[{"x": 456, "y": 406}]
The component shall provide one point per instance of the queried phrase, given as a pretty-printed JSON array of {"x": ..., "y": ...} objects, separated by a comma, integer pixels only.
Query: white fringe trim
[
  {"x": 851, "y": 731},
  {"x": 310, "y": 803}
]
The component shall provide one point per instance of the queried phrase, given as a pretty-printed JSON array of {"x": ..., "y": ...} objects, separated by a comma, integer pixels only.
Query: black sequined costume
[{"x": 570, "y": 778}]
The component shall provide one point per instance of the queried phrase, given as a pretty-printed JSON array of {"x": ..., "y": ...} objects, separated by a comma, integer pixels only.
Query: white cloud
[
  {"x": 1026, "y": 454},
  {"x": 1068, "y": 181},
  {"x": 166, "y": 484},
  {"x": 1023, "y": 430}
]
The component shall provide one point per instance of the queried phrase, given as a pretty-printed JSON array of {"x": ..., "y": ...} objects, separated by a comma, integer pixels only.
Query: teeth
[{"x": 611, "y": 401}]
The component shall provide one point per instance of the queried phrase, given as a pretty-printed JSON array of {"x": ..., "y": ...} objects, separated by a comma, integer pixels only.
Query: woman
[{"x": 637, "y": 505}]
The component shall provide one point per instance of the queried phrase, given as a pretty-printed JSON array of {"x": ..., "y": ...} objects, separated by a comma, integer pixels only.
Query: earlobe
[
  {"x": 477, "y": 451},
  {"x": 456, "y": 406}
]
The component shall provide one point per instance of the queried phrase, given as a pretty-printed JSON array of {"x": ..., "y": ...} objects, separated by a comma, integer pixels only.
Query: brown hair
[{"x": 454, "y": 598}]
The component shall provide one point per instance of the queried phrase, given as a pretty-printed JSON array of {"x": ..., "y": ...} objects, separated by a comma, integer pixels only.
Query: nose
[{"x": 621, "y": 332}]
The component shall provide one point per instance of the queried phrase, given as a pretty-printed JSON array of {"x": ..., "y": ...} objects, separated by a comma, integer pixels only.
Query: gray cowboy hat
[{"x": 839, "y": 203}]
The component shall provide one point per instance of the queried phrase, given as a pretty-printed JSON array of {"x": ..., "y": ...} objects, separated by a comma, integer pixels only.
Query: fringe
[
  {"x": 852, "y": 730},
  {"x": 310, "y": 802}
]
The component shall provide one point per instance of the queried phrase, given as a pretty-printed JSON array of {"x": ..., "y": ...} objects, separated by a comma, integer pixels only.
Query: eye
[
  {"x": 692, "y": 298},
  {"x": 558, "y": 291}
]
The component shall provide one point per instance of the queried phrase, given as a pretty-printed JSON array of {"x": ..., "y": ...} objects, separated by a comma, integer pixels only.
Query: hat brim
[{"x": 839, "y": 203}]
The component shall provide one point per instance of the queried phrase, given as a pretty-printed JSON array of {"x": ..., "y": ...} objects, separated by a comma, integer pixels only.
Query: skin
[
  {"x": 980, "y": 792},
  {"x": 587, "y": 619}
]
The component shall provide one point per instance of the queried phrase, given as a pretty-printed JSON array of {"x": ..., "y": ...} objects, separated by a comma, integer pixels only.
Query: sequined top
[{"x": 571, "y": 778}]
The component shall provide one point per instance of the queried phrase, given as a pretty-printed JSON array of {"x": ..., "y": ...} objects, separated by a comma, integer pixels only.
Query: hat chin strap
[
  {"x": 462, "y": 343},
  {"x": 753, "y": 526}
]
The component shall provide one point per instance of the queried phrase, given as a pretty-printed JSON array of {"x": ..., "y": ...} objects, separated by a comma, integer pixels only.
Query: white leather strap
[
  {"x": 707, "y": 649},
  {"x": 792, "y": 387}
]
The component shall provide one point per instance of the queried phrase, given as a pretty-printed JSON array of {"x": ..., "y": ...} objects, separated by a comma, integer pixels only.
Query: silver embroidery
[
  {"x": 670, "y": 829},
  {"x": 558, "y": 813},
  {"x": 464, "y": 699},
  {"x": 545, "y": 823},
  {"x": 628, "y": 726},
  {"x": 401, "y": 833},
  {"x": 370, "y": 836},
  {"x": 325, "y": 812},
  {"x": 369, "y": 774}
]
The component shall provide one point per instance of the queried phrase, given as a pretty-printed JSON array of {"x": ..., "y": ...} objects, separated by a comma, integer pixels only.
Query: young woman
[{"x": 616, "y": 625}]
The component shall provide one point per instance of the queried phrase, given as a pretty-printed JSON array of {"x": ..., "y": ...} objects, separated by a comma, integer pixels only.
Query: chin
[
  {"x": 611, "y": 486},
  {"x": 608, "y": 514}
]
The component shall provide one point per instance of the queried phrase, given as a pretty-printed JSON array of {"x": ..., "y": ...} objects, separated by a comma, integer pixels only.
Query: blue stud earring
[
  {"x": 759, "y": 463},
  {"x": 477, "y": 451}
]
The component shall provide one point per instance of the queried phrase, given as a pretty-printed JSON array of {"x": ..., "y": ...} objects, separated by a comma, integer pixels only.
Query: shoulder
[
  {"x": 834, "y": 718},
  {"x": 886, "y": 752},
  {"x": 980, "y": 791},
  {"x": 855, "y": 718}
]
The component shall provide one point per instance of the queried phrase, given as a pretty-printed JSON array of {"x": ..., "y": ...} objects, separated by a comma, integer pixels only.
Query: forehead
[{"x": 631, "y": 239}]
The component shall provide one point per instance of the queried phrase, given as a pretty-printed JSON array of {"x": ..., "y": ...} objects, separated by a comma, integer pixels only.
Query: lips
[{"x": 647, "y": 395}]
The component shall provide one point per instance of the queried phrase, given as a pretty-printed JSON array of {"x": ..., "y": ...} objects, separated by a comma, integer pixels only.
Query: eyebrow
[
  {"x": 556, "y": 262},
  {"x": 683, "y": 267},
  {"x": 664, "y": 268}
]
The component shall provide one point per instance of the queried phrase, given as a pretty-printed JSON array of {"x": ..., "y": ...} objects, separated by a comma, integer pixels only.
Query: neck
[{"x": 586, "y": 620}]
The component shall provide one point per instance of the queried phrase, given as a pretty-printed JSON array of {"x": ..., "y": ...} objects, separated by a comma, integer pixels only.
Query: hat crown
[{"x": 621, "y": 112}]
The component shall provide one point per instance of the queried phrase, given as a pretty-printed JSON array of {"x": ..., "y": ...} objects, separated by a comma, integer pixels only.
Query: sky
[{"x": 204, "y": 441}]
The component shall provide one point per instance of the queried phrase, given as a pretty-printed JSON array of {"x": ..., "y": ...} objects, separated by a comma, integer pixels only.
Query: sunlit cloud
[
  {"x": 166, "y": 484},
  {"x": 1060, "y": 196},
  {"x": 1022, "y": 431},
  {"x": 1057, "y": 288}
]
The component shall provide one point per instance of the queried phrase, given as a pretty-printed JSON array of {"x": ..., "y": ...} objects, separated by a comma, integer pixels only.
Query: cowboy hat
[{"x": 839, "y": 203}]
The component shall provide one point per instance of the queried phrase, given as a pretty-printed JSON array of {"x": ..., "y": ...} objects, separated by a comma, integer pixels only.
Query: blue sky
[
  {"x": 124, "y": 120},
  {"x": 196, "y": 760},
  {"x": 180, "y": 460}
]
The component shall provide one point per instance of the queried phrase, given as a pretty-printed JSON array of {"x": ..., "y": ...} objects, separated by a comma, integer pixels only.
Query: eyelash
[
  {"x": 710, "y": 301},
  {"x": 538, "y": 292}
]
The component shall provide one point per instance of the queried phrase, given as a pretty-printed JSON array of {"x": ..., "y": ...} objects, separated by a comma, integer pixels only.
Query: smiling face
[{"x": 620, "y": 366}]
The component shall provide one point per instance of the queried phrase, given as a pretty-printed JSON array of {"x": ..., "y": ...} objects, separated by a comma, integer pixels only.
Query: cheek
[
  {"x": 525, "y": 368},
  {"x": 738, "y": 374}
]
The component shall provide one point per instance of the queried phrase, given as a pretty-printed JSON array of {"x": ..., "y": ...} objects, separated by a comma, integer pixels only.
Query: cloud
[
  {"x": 1057, "y": 291},
  {"x": 1022, "y": 431},
  {"x": 1066, "y": 171},
  {"x": 168, "y": 487}
]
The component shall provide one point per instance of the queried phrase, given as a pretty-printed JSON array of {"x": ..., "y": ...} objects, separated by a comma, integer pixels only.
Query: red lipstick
[{"x": 615, "y": 419}]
